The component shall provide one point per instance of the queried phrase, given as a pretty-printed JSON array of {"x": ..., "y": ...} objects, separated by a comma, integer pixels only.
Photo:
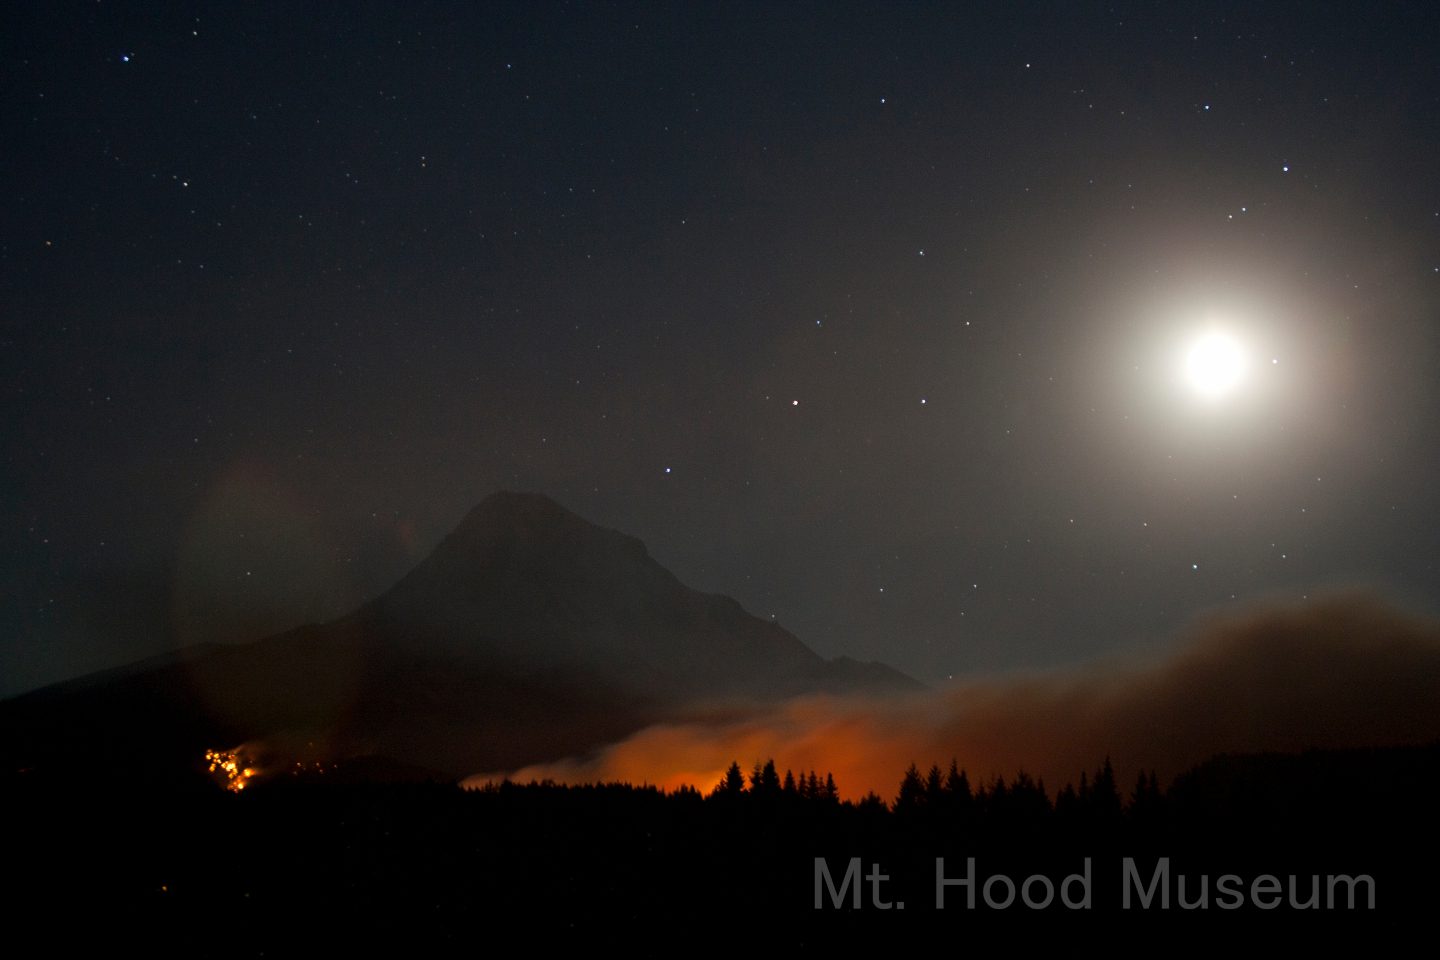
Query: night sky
[{"x": 872, "y": 317}]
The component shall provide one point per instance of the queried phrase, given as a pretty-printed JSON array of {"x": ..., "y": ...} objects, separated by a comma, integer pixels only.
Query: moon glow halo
[{"x": 1215, "y": 365}]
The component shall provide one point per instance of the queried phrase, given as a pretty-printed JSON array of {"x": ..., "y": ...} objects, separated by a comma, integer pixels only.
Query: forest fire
[
  {"x": 231, "y": 767},
  {"x": 1334, "y": 674}
]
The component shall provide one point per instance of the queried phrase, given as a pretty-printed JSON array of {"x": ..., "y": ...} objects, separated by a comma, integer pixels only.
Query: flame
[{"x": 232, "y": 767}]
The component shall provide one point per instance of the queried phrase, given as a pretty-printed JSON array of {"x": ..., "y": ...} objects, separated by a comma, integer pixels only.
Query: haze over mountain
[{"x": 528, "y": 634}]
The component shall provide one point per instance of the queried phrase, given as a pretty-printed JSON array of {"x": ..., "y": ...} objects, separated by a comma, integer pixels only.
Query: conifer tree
[
  {"x": 957, "y": 788},
  {"x": 768, "y": 782},
  {"x": 733, "y": 783},
  {"x": 912, "y": 791},
  {"x": 934, "y": 786},
  {"x": 1104, "y": 797}
]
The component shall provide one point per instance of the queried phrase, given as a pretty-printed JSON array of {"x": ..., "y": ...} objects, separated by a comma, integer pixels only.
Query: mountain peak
[
  {"x": 521, "y": 501},
  {"x": 533, "y": 512},
  {"x": 526, "y": 580},
  {"x": 517, "y": 523}
]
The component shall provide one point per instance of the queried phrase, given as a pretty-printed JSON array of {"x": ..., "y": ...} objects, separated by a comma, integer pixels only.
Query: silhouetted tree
[
  {"x": 959, "y": 801},
  {"x": 1067, "y": 803},
  {"x": 789, "y": 786},
  {"x": 733, "y": 783},
  {"x": 1028, "y": 799},
  {"x": 1104, "y": 796},
  {"x": 829, "y": 792},
  {"x": 1146, "y": 799},
  {"x": 998, "y": 797},
  {"x": 873, "y": 804},
  {"x": 934, "y": 787},
  {"x": 912, "y": 791},
  {"x": 765, "y": 782}
]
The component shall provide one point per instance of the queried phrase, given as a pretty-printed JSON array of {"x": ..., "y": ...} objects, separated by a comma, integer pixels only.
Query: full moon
[{"x": 1215, "y": 364}]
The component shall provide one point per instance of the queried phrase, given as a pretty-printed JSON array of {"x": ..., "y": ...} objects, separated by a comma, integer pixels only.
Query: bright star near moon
[{"x": 1215, "y": 364}]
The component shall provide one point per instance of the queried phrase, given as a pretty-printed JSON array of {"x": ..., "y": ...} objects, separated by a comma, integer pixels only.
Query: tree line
[{"x": 952, "y": 793}]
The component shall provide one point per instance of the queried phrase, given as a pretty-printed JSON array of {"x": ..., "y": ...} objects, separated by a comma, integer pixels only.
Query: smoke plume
[{"x": 1343, "y": 671}]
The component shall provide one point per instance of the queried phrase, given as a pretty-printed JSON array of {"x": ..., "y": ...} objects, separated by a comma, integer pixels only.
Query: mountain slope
[
  {"x": 525, "y": 581},
  {"x": 527, "y": 634}
]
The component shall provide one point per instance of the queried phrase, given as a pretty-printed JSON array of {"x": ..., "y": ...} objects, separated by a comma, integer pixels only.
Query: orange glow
[
  {"x": 866, "y": 744},
  {"x": 232, "y": 768},
  {"x": 1333, "y": 673}
]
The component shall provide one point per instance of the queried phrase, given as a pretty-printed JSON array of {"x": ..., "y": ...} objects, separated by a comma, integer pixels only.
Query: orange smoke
[{"x": 1344, "y": 671}]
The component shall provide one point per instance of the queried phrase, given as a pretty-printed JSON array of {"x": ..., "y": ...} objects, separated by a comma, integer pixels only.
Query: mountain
[
  {"x": 526, "y": 582},
  {"x": 528, "y": 634}
]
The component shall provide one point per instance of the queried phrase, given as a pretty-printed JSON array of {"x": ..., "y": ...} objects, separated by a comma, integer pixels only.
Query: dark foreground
[{"x": 293, "y": 866}]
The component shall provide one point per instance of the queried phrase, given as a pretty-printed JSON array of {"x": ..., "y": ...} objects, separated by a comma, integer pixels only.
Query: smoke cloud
[{"x": 1343, "y": 671}]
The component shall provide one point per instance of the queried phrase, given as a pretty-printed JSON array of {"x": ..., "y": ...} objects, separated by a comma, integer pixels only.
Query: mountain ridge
[{"x": 528, "y": 633}]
